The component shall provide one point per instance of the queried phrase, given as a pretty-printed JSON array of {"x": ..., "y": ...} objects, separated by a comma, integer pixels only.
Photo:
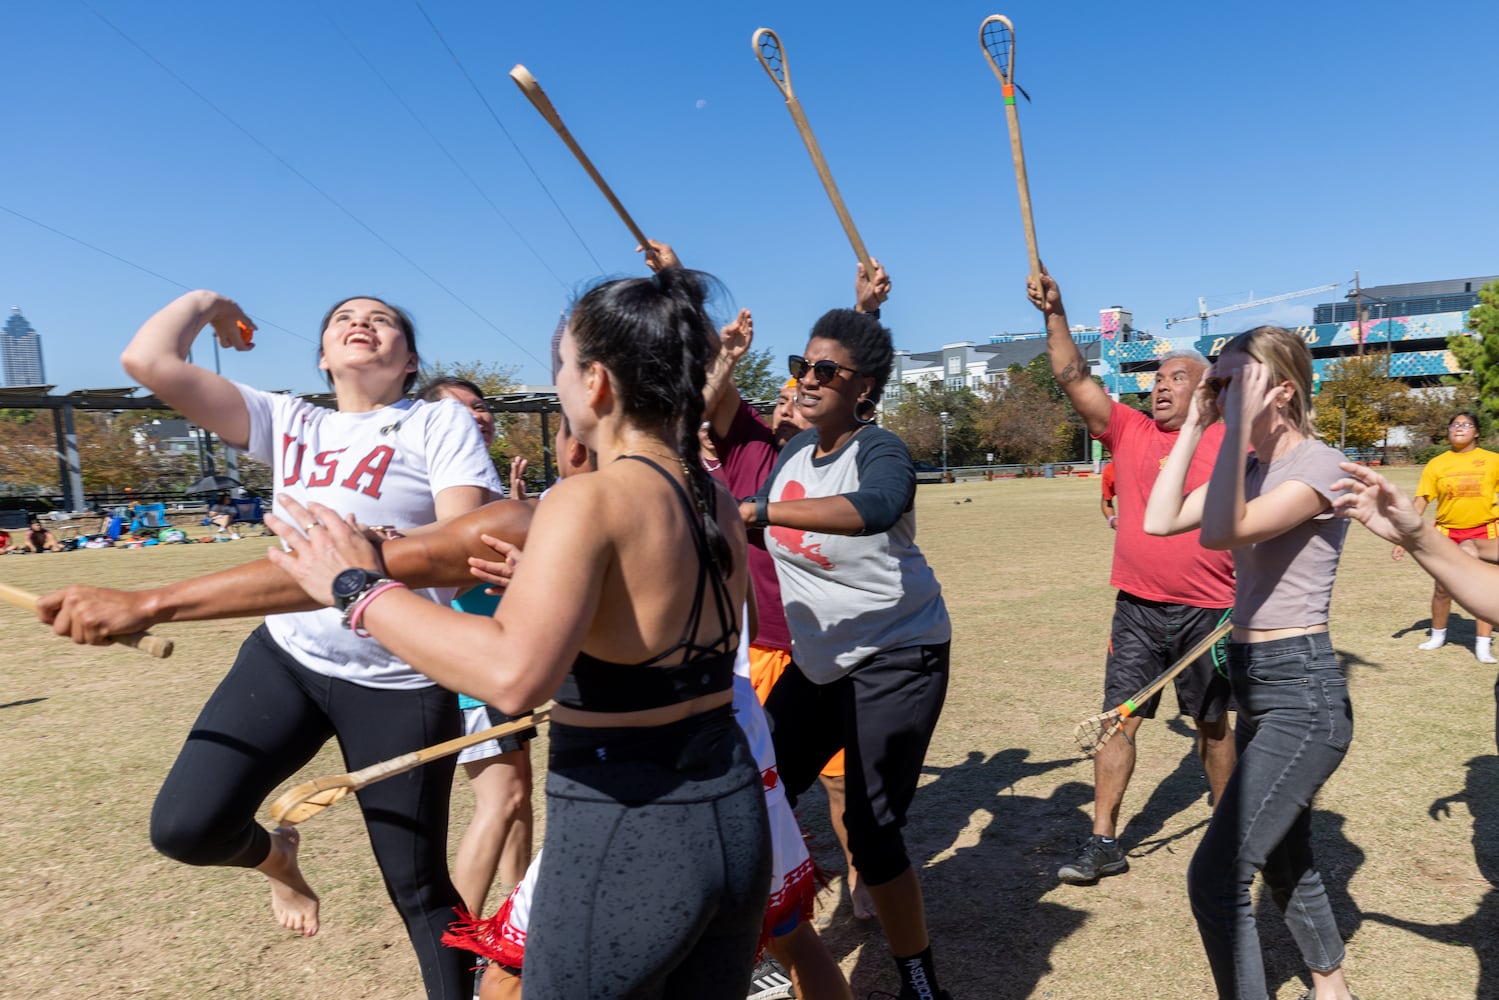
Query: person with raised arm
[
  {"x": 1172, "y": 593},
  {"x": 301, "y": 679},
  {"x": 1269, "y": 501},
  {"x": 870, "y": 633}
]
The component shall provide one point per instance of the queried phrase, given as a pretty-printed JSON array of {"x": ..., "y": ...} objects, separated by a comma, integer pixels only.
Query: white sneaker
[
  {"x": 1484, "y": 656},
  {"x": 1433, "y": 643}
]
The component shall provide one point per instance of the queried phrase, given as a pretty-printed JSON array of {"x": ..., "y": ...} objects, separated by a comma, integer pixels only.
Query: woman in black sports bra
[{"x": 626, "y": 608}]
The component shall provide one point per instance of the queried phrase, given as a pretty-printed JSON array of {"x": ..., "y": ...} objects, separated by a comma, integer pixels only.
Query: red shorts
[{"x": 1480, "y": 533}]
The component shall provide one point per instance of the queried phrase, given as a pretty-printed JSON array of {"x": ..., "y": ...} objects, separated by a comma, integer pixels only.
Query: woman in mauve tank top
[{"x": 1269, "y": 501}]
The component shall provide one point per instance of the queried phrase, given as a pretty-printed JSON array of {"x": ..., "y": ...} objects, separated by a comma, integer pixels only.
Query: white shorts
[{"x": 476, "y": 720}]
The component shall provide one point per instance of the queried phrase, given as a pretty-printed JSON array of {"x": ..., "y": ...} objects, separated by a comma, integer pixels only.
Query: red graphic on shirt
[
  {"x": 769, "y": 778},
  {"x": 794, "y": 540}
]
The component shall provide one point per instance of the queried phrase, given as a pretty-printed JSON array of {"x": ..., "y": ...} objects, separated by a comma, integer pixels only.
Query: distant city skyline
[{"x": 21, "y": 349}]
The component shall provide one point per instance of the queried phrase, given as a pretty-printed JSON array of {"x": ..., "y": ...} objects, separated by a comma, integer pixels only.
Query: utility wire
[
  {"x": 459, "y": 63},
  {"x": 445, "y": 151},
  {"x": 259, "y": 321},
  {"x": 310, "y": 183}
]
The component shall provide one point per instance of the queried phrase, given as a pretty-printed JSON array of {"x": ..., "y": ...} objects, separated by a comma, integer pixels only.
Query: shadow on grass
[
  {"x": 1477, "y": 930},
  {"x": 1175, "y": 793},
  {"x": 1338, "y": 858},
  {"x": 1461, "y": 629},
  {"x": 987, "y": 893}
]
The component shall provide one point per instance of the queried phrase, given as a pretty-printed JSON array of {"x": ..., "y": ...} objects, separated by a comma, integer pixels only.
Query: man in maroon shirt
[{"x": 1172, "y": 591}]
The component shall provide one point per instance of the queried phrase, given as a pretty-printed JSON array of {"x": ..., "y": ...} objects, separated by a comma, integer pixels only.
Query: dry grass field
[{"x": 1407, "y": 831}]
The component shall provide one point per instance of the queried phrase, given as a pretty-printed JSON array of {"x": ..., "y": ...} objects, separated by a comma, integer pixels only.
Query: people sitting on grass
[{"x": 40, "y": 539}]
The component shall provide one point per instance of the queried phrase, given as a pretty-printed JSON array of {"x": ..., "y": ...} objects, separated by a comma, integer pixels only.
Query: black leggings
[
  {"x": 268, "y": 717},
  {"x": 883, "y": 712},
  {"x": 656, "y": 869}
]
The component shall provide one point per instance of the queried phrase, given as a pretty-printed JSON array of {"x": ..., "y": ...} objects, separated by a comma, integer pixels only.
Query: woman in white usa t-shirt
[{"x": 302, "y": 678}]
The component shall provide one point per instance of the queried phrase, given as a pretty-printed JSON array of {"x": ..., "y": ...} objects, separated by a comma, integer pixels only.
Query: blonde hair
[{"x": 1289, "y": 360}]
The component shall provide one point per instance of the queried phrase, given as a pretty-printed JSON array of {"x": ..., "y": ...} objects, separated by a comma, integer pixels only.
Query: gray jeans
[{"x": 1294, "y": 726}]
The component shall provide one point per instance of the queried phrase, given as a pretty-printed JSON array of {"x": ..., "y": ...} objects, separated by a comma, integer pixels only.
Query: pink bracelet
[{"x": 364, "y": 602}]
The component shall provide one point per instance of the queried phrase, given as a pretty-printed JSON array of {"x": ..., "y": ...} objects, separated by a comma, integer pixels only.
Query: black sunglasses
[{"x": 823, "y": 371}]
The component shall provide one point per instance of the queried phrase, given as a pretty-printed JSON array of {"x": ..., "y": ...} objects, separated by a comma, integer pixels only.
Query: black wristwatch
[
  {"x": 762, "y": 510},
  {"x": 352, "y": 584}
]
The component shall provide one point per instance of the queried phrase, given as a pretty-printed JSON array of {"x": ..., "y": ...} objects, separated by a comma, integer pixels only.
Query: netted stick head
[
  {"x": 768, "y": 50},
  {"x": 1091, "y": 734},
  {"x": 291, "y": 809},
  {"x": 997, "y": 35}
]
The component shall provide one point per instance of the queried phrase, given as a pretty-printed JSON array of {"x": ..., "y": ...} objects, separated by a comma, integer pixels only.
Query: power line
[
  {"x": 311, "y": 184},
  {"x": 459, "y": 63},
  {"x": 446, "y": 152},
  {"x": 259, "y": 321}
]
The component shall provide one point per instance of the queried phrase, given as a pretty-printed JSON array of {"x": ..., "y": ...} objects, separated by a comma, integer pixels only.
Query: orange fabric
[{"x": 766, "y": 667}]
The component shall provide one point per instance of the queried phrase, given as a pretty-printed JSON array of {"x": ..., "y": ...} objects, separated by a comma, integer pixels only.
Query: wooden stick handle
[
  {"x": 810, "y": 140},
  {"x": 528, "y": 86},
  {"x": 1149, "y": 690},
  {"x": 1023, "y": 184},
  {"x": 155, "y": 645},
  {"x": 302, "y": 802}
]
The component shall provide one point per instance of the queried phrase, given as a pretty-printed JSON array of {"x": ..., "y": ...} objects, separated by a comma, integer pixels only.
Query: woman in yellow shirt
[{"x": 1464, "y": 483}]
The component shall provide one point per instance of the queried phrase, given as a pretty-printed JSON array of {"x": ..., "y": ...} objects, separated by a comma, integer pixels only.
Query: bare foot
[
  {"x": 859, "y": 896},
  {"x": 292, "y": 899}
]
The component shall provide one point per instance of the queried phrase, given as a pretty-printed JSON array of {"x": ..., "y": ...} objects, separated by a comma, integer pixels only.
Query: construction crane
[{"x": 1203, "y": 314}]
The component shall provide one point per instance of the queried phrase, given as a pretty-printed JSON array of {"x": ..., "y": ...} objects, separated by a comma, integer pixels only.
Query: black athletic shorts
[{"x": 1148, "y": 637}]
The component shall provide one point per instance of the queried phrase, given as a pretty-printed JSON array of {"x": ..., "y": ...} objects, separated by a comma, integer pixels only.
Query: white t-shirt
[{"x": 384, "y": 467}]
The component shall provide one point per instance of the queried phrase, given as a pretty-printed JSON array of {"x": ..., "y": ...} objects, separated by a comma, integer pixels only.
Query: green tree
[
  {"x": 1359, "y": 402},
  {"x": 1427, "y": 413},
  {"x": 917, "y": 418},
  {"x": 759, "y": 376},
  {"x": 1479, "y": 354},
  {"x": 515, "y": 433},
  {"x": 1027, "y": 420}
]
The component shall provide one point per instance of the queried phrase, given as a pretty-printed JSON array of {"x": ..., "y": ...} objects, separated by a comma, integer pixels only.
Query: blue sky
[{"x": 1174, "y": 150}]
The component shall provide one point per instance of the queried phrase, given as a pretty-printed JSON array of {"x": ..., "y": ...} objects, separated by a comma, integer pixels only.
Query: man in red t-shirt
[{"x": 1172, "y": 591}]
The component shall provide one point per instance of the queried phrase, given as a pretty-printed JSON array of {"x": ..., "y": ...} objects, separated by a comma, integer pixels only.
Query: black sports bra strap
[{"x": 705, "y": 573}]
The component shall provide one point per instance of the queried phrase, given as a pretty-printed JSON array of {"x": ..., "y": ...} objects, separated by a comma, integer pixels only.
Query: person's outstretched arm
[
  {"x": 436, "y": 556},
  {"x": 1378, "y": 505},
  {"x": 1069, "y": 366}
]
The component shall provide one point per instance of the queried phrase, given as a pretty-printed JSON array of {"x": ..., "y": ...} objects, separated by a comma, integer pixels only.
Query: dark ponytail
[{"x": 656, "y": 338}]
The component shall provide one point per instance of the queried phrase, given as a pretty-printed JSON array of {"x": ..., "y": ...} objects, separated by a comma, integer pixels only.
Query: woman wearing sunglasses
[
  {"x": 1463, "y": 482},
  {"x": 1273, "y": 510},
  {"x": 870, "y": 634}
]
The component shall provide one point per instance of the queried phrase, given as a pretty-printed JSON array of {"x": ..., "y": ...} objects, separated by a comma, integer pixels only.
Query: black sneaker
[
  {"x": 1094, "y": 861},
  {"x": 770, "y": 982}
]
